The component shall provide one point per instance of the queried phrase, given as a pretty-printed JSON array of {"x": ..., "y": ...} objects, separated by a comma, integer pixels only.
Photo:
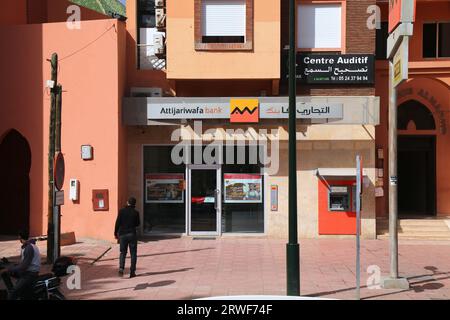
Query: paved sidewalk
[
  {"x": 86, "y": 252},
  {"x": 183, "y": 268}
]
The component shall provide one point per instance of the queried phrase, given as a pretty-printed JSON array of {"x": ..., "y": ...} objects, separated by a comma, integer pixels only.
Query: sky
[{"x": 123, "y": 1}]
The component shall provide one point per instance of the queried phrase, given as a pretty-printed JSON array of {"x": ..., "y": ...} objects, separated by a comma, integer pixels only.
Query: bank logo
[{"x": 244, "y": 110}]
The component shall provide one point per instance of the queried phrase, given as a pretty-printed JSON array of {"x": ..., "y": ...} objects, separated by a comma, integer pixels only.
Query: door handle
[{"x": 216, "y": 198}]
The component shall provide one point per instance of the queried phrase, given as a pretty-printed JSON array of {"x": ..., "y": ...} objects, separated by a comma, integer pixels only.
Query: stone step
[
  {"x": 416, "y": 228},
  {"x": 418, "y": 222},
  {"x": 415, "y": 237}
]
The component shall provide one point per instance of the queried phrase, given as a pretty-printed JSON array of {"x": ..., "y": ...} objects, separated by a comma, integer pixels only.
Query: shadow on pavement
[
  {"x": 159, "y": 254},
  {"x": 415, "y": 286},
  {"x": 163, "y": 272}
]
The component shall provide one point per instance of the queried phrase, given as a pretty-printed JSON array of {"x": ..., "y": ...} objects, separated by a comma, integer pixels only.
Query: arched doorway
[
  {"x": 416, "y": 160},
  {"x": 15, "y": 164}
]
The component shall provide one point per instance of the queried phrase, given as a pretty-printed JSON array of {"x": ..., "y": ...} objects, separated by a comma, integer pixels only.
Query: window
[
  {"x": 162, "y": 216},
  {"x": 436, "y": 40},
  {"x": 223, "y": 24},
  {"x": 223, "y": 21},
  {"x": 382, "y": 35},
  {"x": 150, "y": 46},
  {"x": 319, "y": 26},
  {"x": 146, "y": 14},
  {"x": 242, "y": 217}
]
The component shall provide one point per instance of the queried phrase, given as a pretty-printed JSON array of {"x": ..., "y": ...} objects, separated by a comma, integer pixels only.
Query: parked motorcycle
[{"x": 47, "y": 285}]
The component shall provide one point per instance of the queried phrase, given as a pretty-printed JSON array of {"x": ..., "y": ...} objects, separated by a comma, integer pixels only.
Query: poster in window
[
  {"x": 164, "y": 188},
  {"x": 243, "y": 188}
]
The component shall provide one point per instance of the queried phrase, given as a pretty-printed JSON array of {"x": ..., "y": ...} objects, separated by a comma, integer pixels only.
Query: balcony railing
[{"x": 147, "y": 60}]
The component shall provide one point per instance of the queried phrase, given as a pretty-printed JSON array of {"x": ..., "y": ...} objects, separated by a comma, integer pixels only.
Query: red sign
[
  {"x": 397, "y": 13},
  {"x": 59, "y": 171}
]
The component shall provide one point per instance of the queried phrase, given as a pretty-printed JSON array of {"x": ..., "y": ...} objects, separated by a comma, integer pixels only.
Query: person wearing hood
[{"x": 26, "y": 272}]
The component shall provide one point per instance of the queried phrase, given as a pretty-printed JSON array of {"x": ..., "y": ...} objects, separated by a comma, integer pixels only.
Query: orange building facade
[
  {"x": 169, "y": 100},
  {"x": 423, "y": 117},
  {"x": 93, "y": 78}
]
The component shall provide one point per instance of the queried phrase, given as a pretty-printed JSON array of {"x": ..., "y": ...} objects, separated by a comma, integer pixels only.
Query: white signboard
[
  {"x": 189, "y": 109},
  {"x": 304, "y": 111},
  {"x": 219, "y": 108}
]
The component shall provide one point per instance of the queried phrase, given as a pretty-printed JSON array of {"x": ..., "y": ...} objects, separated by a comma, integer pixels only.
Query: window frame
[
  {"x": 343, "y": 4},
  {"x": 198, "y": 35},
  {"x": 437, "y": 40}
]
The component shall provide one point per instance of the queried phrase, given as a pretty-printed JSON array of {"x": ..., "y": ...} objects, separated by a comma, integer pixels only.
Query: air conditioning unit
[
  {"x": 159, "y": 3},
  {"x": 146, "y": 92},
  {"x": 158, "y": 44},
  {"x": 160, "y": 18}
]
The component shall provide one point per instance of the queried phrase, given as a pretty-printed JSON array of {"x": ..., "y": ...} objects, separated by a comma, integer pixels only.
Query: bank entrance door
[{"x": 204, "y": 202}]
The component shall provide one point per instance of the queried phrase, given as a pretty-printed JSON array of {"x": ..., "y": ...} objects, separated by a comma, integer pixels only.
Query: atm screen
[{"x": 339, "y": 198}]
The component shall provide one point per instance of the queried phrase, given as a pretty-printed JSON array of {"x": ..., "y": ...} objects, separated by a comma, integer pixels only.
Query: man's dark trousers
[
  {"x": 128, "y": 240},
  {"x": 24, "y": 285}
]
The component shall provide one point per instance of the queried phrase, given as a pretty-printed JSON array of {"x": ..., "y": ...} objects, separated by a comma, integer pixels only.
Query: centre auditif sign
[{"x": 334, "y": 69}]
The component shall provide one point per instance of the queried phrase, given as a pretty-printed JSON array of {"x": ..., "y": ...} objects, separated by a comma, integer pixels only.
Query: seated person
[{"x": 26, "y": 272}]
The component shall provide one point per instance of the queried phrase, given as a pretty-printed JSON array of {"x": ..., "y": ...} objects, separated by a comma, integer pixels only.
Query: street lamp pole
[{"x": 292, "y": 248}]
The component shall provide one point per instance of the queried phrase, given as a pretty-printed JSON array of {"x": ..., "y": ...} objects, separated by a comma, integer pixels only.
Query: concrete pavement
[{"x": 183, "y": 268}]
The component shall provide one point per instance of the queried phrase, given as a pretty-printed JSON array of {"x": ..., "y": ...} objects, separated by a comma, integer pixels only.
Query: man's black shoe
[
  {"x": 132, "y": 275},
  {"x": 120, "y": 273}
]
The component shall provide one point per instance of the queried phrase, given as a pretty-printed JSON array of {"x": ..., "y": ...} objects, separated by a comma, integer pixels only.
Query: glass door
[{"x": 204, "y": 199}]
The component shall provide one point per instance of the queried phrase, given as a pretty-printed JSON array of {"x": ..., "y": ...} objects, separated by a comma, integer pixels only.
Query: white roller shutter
[
  {"x": 319, "y": 26},
  {"x": 223, "y": 17}
]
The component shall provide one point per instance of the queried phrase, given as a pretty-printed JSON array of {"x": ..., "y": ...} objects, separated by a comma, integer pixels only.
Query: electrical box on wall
[
  {"x": 87, "y": 152},
  {"x": 74, "y": 189},
  {"x": 100, "y": 200}
]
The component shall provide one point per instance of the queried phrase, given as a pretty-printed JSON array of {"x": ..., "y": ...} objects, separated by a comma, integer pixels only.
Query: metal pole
[
  {"x": 358, "y": 227},
  {"x": 292, "y": 248},
  {"x": 51, "y": 153},
  {"x": 57, "y": 209},
  {"x": 393, "y": 189}
]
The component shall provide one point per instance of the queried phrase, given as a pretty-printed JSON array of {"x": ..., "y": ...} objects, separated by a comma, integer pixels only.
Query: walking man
[{"x": 125, "y": 230}]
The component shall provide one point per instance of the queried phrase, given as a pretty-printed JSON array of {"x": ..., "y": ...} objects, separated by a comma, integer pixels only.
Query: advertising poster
[
  {"x": 243, "y": 188},
  {"x": 164, "y": 188}
]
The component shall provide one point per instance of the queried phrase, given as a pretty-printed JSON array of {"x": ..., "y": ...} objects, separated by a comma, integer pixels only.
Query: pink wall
[
  {"x": 13, "y": 12},
  {"x": 91, "y": 114},
  {"x": 22, "y": 92}
]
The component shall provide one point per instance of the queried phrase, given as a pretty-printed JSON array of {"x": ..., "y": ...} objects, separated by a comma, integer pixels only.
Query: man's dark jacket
[{"x": 127, "y": 221}]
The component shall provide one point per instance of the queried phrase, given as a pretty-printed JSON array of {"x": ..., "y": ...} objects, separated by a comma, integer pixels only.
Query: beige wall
[
  {"x": 310, "y": 156},
  {"x": 320, "y": 146},
  {"x": 184, "y": 62}
]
